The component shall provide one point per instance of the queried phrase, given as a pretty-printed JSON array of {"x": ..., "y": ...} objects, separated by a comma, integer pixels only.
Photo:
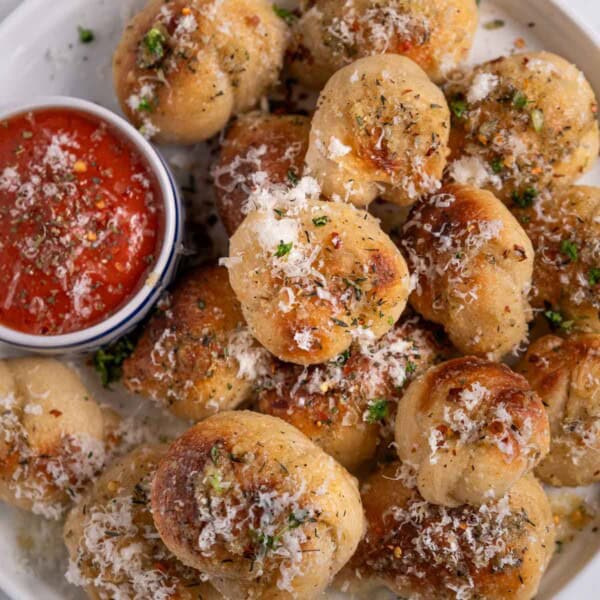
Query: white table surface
[{"x": 588, "y": 10}]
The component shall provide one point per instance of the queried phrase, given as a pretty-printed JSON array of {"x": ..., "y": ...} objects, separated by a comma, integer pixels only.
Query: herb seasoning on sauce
[{"x": 80, "y": 221}]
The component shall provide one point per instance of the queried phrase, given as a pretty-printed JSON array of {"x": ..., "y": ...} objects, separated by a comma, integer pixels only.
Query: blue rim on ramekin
[{"x": 138, "y": 306}]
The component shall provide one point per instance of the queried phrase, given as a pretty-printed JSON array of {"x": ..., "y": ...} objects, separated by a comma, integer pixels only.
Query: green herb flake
[
  {"x": 215, "y": 481},
  {"x": 214, "y": 454},
  {"x": 283, "y": 249},
  {"x": 145, "y": 105},
  {"x": 377, "y": 411},
  {"x": 494, "y": 24},
  {"x": 283, "y": 13},
  {"x": 268, "y": 542},
  {"x": 86, "y": 36},
  {"x": 320, "y": 221},
  {"x": 152, "y": 48},
  {"x": 201, "y": 304},
  {"x": 537, "y": 119},
  {"x": 553, "y": 316},
  {"x": 342, "y": 358},
  {"x": 497, "y": 165},
  {"x": 108, "y": 361},
  {"x": 411, "y": 368},
  {"x": 519, "y": 100},
  {"x": 570, "y": 250},
  {"x": 459, "y": 107},
  {"x": 154, "y": 41},
  {"x": 292, "y": 177},
  {"x": 557, "y": 321},
  {"x": 525, "y": 198},
  {"x": 594, "y": 276}
]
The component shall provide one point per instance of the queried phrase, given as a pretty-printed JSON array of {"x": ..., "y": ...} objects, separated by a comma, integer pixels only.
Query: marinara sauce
[{"x": 80, "y": 221}]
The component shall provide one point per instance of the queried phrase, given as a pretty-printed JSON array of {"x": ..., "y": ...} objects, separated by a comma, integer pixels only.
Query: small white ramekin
[{"x": 138, "y": 306}]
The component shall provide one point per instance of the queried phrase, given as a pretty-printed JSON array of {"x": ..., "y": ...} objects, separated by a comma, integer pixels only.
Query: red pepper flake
[
  {"x": 496, "y": 427},
  {"x": 253, "y": 21},
  {"x": 336, "y": 240},
  {"x": 56, "y": 413},
  {"x": 160, "y": 567}
]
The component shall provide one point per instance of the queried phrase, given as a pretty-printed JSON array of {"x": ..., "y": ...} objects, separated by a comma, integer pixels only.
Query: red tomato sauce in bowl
[{"x": 81, "y": 221}]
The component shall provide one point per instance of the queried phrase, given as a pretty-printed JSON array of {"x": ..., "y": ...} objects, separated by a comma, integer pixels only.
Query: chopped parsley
[
  {"x": 152, "y": 49},
  {"x": 283, "y": 13},
  {"x": 292, "y": 177},
  {"x": 519, "y": 100},
  {"x": 594, "y": 276},
  {"x": 377, "y": 411},
  {"x": 569, "y": 249},
  {"x": 146, "y": 105},
  {"x": 86, "y": 36},
  {"x": 154, "y": 40},
  {"x": 320, "y": 221},
  {"x": 497, "y": 165},
  {"x": 342, "y": 358},
  {"x": 458, "y": 106},
  {"x": 494, "y": 24},
  {"x": 411, "y": 367},
  {"x": 525, "y": 198},
  {"x": 283, "y": 249},
  {"x": 215, "y": 481},
  {"x": 265, "y": 542},
  {"x": 201, "y": 304},
  {"x": 557, "y": 321},
  {"x": 268, "y": 542},
  {"x": 108, "y": 361}
]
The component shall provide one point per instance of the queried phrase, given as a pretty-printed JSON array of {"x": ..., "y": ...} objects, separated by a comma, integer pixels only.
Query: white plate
[{"x": 42, "y": 55}]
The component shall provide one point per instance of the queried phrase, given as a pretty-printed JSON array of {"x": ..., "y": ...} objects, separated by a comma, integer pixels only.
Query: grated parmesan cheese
[{"x": 482, "y": 86}]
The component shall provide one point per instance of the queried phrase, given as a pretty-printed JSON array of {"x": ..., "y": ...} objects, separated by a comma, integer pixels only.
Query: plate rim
[{"x": 583, "y": 582}]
